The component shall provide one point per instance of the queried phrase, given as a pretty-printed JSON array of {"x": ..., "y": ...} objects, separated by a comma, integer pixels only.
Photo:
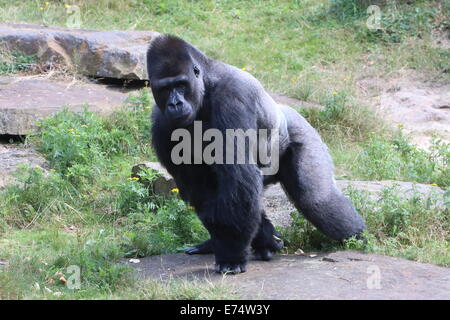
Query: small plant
[
  {"x": 167, "y": 228},
  {"x": 15, "y": 61},
  {"x": 396, "y": 158},
  {"x": 342, "y": 118}
]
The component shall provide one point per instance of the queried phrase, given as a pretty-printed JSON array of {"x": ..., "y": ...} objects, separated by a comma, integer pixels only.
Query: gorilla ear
[{"x": 196, "y": 71}]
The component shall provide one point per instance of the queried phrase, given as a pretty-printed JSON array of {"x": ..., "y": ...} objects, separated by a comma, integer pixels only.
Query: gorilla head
[{"x": 176, "y": 79}]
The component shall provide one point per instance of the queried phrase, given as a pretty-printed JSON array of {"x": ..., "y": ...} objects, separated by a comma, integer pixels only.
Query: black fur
[{"x": 188, "y": 86}]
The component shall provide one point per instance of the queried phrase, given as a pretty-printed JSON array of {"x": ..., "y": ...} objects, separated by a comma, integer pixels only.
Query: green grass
[
  {"x": 286, "y": 44},
  {"x": 87, "y": 211},
  {"x": 37, "y": 260},
  {"x": 415, "y": 228}
]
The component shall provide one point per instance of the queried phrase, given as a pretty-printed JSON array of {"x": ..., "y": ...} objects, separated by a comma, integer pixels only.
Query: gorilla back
[{"x": 190, "y": 88}]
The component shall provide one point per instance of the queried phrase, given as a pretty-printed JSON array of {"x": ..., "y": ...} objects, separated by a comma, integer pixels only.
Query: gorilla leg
[
  {"x": 308, "y": 181},
  {"x": 267, "y": 241},
  {"x": 230, "y": 246},
  {"x": 231, "y": 236},
  {"x": 306, "y": 174}
]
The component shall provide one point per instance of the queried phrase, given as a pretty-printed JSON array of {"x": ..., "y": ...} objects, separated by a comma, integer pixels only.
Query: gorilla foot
[
  {"x": 230, "y": 268},
  {"x": 264, "y": 254},
  {"x": 202, "y": 248}
]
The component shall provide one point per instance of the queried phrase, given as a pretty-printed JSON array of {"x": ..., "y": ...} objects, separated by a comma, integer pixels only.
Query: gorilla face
[
  {"x": 177, "y": 87},
  {"x": 175, "y": 96}
]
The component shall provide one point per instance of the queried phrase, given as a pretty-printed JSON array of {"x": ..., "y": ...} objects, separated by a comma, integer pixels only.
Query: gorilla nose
[{"x": 176, "y": 106}]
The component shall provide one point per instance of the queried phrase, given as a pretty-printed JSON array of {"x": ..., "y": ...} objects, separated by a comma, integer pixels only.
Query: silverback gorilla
[{"x": 189, "y": 87}]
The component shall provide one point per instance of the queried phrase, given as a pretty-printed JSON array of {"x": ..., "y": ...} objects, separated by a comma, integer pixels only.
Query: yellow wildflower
[
  {"x": 175, "y": 190},
  {"x": 434, "y": 184},
  {"x": 244, "y": 68},
  {"x": 191, "y": 207},
  {"x": 133, "y": 179},
  {"x": 400, "y": 125},
  {"x": 41, "y": 8},
  {"x": 334, "y": 93},
  {"x": 67, "y": 6},
  {"x": 46, "y": 3}
]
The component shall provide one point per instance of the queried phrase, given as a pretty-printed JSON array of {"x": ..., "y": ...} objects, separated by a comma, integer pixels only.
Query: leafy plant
[{"x": 15, "y": 61}]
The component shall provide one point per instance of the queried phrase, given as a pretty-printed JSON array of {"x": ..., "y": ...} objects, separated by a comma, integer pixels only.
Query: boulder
[
  {"x": 109, "y": 54},
  {"x": 11, "y": 156},
  {"x": 162, "y": 184},
  {"x": 25, "y": 100}
]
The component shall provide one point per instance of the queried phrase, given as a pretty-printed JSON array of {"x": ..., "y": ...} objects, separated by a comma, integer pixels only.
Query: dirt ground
[{"x": 420, "y": 107}]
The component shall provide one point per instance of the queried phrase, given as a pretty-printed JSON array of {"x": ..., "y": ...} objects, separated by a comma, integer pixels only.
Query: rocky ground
[
  {"x": 338, "y": 275},
  {"x": 420, "y": 107}
]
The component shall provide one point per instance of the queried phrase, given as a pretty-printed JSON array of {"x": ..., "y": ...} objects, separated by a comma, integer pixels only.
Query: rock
[
  {"x": 278, "y": 207},
  {"x": 111, "y": 54},
  {"x": 338, "y": 275},
  {"x": 162, "y": 185},
  {"x": 292, "y": 102},
  {"x": 11, "y": 156},
  {"x": 25, "y": 100}
]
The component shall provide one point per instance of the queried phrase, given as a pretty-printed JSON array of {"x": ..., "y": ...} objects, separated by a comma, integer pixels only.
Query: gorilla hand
[
  {"x": 267, "y": 241},
  {"x": 202, "y": 248}
]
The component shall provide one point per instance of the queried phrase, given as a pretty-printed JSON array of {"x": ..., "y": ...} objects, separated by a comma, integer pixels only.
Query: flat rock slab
[
  {"x": 338, "y": 275},
  {"x": 25, "y": 100},
  {"x": 278, "y": 207},
  {"x": 112, "y": 54},
  {"x": 292, "y": 102},
  {"x": 11, "y": 156}
]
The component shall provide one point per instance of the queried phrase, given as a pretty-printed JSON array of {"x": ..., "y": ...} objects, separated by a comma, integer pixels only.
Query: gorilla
[{"x": 189, "y": 87}]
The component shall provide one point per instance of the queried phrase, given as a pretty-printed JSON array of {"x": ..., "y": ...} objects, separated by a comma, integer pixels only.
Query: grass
[
  {"x": 85, "y": 210},
  {"x": 311, "y": 47},
  {"x": 414, "y": 227}
]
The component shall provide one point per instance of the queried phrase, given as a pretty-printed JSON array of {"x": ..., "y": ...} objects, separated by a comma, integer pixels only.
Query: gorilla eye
[{"x": 196, "y": 71}]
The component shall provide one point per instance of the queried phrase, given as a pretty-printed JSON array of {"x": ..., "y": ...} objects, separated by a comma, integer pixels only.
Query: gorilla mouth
[{"x": 183, "y": 120}]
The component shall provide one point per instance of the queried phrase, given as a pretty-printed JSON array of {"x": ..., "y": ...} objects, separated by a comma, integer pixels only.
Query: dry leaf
[{"x": 134, "y": 261}]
